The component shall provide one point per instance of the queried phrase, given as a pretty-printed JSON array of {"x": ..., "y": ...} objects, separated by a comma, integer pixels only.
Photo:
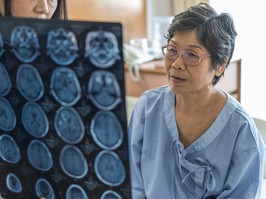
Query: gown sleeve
[{"x": 245, "y": 173}]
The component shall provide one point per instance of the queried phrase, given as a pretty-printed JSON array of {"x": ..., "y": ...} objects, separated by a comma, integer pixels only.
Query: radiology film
[{"x": 62, "y": 110}]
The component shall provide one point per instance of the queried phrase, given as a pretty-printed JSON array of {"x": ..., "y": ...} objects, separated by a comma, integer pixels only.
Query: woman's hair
[
  {"x": 60, "y": 12},
  {"x": 215, "y": 32}
]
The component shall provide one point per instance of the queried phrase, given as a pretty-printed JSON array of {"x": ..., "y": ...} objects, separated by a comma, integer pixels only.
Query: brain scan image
[
  {"x": 65, "y": 86},
  {"x": 25, "y": 44},
  {"x": 34, "y": 120},
  {"x": 75, "y": 191},
  {"x": 13, "y": 183},
  {"x": 106, "y": 130},
  {"x": 109, "y": 194},
  {"x": 102, "y": 48},
  {"x": 63, "y": 124},
  {"x": 43, "y": 189},
  {"x": 104, "y": 90},
  {"x": 69, "y": 125},
  {"x": 9, "y": 150},
  {"x": 7, "y": 115},
  {"x": 109, "y": 168},
  {"x": 73, "y": 162},
  {"x": 62, "y": 46},
  {"x": 5, "y": 83},
  {"x": 1, "y": 45},
  {"x": 39, "y": 155},
  {"x": 29, "y": 82}
]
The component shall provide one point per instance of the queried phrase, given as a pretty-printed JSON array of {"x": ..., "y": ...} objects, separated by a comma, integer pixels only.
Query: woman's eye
[
  {"x": 191, "y": 54},
  {"x": 172, "y": 50}
]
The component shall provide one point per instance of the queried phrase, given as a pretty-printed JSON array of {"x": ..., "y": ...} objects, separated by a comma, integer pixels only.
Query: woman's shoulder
[
  {"x": 238, "y": 109},
  {"x": 244, "y": 125},
  {"x": 153, "y": 96},
  {"x": 156, "y": 92}
]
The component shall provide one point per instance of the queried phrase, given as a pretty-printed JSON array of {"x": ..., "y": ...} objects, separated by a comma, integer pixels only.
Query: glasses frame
[{"x": 179, "y": 52}]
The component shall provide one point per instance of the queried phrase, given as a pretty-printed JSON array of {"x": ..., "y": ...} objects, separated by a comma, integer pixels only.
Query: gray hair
[{"x": 215, "y": 32}]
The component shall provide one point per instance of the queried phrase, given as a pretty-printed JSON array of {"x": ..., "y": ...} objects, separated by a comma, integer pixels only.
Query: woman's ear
[{"x": 220, "y": 70}]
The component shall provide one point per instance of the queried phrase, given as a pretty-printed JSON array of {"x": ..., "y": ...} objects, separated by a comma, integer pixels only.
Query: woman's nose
[
  {"x": 179, "y": 63},
  {"x": 42, "y": 7}
]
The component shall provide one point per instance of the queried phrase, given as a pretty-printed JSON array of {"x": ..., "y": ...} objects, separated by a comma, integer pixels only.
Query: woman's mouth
[{"x": 177, "y": 79}]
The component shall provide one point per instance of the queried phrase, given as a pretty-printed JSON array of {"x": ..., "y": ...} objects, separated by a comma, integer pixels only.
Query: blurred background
[{"x": 144, "y": 23}]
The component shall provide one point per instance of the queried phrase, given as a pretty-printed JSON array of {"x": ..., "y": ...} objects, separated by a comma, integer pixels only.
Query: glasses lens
[
  {"x": 191, "y": 57},
  {"x": 170, "y": 52}
]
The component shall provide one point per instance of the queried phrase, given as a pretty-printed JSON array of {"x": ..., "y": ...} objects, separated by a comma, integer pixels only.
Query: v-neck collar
[{"x": 205, "y": 139}]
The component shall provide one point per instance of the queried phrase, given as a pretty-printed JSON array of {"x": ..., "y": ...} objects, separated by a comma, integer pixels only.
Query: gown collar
[{"x": 205, "y": 139}]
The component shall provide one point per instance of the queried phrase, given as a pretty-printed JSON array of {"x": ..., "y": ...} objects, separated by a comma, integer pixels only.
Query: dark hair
[
  {"x": 215, "y": 32},
  {"x": 60, "y": 12}
]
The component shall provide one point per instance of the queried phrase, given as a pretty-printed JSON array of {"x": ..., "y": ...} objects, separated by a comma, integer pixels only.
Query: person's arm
[
  {"x": 135, "y": 137},
  {"x": 244, "y": 176}
]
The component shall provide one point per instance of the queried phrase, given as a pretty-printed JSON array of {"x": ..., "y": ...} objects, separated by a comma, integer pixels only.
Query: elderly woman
[
  {"x": 41, "y": 9},
  {"x": 189, "y": 139}
]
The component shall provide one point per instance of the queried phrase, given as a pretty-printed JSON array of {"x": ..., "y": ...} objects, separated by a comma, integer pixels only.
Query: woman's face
[
  {"x": 40, "y": 9},
  {"x": 184, "y": 78}
]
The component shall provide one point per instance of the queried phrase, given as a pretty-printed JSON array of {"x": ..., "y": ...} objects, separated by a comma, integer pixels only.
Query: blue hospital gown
[{"x": 225, "y": 162}]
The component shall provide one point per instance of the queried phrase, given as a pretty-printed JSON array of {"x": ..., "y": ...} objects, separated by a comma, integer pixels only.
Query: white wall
[
  {"x": 157, "y": 8},
  {"x": 249, "y": 17}
]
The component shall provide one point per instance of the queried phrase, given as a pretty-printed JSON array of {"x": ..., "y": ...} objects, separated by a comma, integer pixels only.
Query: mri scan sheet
[{"x": 62, "y": 110}]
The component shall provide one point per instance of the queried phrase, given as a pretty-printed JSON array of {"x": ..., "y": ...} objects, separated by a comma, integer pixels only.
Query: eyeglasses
[{"x": 190, "y": 57}]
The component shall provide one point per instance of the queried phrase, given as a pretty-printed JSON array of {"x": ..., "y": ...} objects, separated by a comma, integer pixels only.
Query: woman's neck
[
  {"x": 195, "y": 114},
  {"x": 191, "y": 103}
]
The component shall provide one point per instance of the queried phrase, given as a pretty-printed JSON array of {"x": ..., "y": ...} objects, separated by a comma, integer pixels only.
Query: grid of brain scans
[{"x": 62, "y": 110}]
